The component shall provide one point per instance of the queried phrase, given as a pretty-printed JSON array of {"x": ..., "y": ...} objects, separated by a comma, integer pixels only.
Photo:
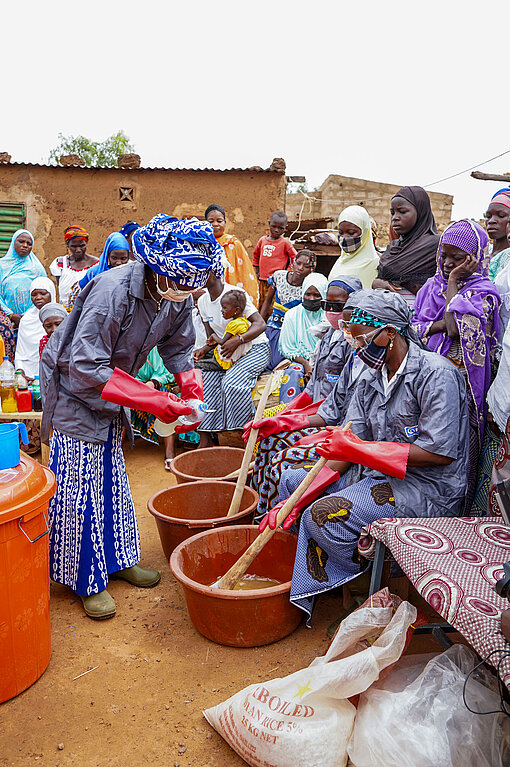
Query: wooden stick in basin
[
  {"x": 238, "y": 569},
  {"x": 235, "y": 474},
  {"x": 248, "y": 451}
]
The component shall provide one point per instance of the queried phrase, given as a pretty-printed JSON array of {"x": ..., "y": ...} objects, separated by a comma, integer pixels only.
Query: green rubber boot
[
  {"x": 143, "y": 577},
  {"x": 99, "y": 606}
]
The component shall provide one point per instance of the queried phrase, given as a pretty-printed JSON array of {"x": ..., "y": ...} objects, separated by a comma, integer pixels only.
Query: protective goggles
[{"x": 332, "y": 306}]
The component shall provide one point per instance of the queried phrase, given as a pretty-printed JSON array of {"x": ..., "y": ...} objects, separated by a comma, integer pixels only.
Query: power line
[{"x": 473, "y": 167}]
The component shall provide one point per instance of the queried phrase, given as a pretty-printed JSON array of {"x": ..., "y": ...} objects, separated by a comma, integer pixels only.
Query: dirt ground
[{"x": 153, "y": 673}]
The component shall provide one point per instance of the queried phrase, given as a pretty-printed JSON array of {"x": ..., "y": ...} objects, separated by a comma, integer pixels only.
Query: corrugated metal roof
[{"x": 254, "y": 169}]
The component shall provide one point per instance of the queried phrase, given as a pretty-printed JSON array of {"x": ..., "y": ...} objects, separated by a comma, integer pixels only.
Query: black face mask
[{"x": 312, "y": 304}]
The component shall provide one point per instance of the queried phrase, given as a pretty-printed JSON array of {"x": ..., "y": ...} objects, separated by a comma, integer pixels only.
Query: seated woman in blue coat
[{"x": 406, "y": 395}]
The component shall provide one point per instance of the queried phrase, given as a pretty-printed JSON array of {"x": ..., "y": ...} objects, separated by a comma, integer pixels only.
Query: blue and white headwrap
[
  {"x": 129, "y": 227},
  {"x": 184, "y": 250}
]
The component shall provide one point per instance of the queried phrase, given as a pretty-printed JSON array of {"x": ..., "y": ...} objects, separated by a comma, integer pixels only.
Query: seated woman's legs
[
  {"x": 238, "y": 383},
  {"x": 329, "y": 529},
  {"x": 268, "y": 469},
  {"x": 213, "y": 397},
  {"x": 293, "y": 383}
]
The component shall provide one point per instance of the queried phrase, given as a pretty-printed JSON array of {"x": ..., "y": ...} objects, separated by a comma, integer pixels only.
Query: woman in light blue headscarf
[
  {"x": 18, "y": 268},
  {"x": 115, "y": 253},
  {"x": 297, "y": 343}
]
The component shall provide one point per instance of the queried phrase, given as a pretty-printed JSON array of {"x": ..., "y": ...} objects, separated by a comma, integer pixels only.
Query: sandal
[{"x": 168, "y": 461}]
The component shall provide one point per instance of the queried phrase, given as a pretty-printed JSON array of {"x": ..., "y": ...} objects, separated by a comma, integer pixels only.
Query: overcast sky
[{"x": 401, "y": 92}]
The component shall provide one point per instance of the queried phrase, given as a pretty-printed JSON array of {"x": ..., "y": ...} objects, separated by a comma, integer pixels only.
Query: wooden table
[{"x": 29, "y": 415}]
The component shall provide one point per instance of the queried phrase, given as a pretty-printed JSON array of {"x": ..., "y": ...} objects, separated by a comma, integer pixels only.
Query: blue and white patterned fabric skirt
[
  {"x": 274, "y": 454},
  {"x": 329, "y": 530},
  {"x": 228, "y": 392},
  {"x": 93, "y": 529}
]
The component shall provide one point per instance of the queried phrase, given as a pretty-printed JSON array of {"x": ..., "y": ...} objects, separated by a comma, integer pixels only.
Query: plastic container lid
[
  {"x": 164, "y": 429},
  {"x": 24, "y": 488}
]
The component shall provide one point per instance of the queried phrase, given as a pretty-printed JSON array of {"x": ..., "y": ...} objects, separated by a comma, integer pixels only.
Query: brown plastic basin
[
  {"x": 206, "y": 463},
  {"x": 183, "y": 510},
  {"x": 237, "y": 618}
]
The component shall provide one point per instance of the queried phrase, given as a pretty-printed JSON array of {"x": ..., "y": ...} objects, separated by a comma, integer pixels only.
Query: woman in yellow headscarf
[
  {"x": 359, "y": 257},
  {"x": 240, "y": 272}
]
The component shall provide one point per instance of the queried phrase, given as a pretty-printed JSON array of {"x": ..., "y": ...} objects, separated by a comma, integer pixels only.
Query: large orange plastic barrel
[{"x": 25, "y": 638}]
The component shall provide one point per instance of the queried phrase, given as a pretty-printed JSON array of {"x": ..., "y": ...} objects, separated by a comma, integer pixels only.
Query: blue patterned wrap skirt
[
  {"x": 93, "y": 528},
  {"x": 329, "y": 529}
]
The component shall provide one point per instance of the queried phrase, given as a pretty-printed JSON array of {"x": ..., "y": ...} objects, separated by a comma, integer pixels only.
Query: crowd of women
[
  {"x": 421, "y": 350},
  {"x": 408, "y": 346}
]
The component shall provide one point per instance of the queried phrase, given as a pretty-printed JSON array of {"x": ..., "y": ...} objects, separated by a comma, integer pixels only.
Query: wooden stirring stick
[
  {"x": 238, "y": 569},
  {"x": 248, "y": 451},
  {"x": 235, "y": 474}
]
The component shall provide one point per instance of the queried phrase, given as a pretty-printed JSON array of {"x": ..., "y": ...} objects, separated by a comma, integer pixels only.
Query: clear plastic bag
[{"x": 416, "y": 716}]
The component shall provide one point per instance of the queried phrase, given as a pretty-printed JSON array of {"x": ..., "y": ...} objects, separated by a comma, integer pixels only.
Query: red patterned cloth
[
  {"x": 42, "y": 343},
  {"x": 453, "y": 562}
]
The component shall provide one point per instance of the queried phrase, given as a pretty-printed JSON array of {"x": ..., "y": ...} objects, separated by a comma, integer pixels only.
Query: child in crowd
[
  {"x": 233, "y": 305},
  {"x": 50, "y": 316},
  {"x": 273, "y": 252}
]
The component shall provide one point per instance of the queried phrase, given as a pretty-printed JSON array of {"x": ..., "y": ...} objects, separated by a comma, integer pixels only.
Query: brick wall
[{"x": 337, "y": 192}]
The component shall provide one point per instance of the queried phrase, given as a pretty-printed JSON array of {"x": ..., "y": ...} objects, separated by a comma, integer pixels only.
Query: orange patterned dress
[{"x": 240, "y": 272}]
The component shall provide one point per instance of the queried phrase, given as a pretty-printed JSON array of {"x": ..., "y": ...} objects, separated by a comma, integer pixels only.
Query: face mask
[
  {"x": 172, "y": 294},
  {"x": 350, "y": 340},
  {"x": 373, "y": 355},
  {"x": 334, "y": 319},
  {"x": 350, "y": 244},
  {"x": 311, "y": 304}
]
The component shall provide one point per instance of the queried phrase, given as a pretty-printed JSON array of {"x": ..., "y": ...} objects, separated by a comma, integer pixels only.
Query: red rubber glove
[
  {"x": 287, "y": 420},
  {"x": 191, "y": 386},
  {"x": 298, "y": 403},
  {"x": 282, "y": 422},
  {"x": 123, "y": 389},
  {"x": 311, "y": 439},
  {"x": 324, "y": 478},
  {"x": 387, "y": 457}
]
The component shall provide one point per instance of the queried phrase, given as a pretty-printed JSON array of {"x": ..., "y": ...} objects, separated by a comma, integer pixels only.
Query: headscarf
[
  {"x": 53, "y": 309},
  {"x": 475, "y": 299},
  {"x": 364, "y": 261},
  {"x": 31, "y": 331},
  {"x": 502, "y": 197},
  {"x": 388, "y": 308},
  {"x": 352, "y": 301},
  {"x": 347, "y": 283},
  {"x": 184, "y": 250},
  {"x": 500, "y": 260},
  {"x": 16, "y": 275},
  {"x": 75, "y": 231},
  {"x": 411, "y": 260},
  {"x": 129, "y": 227},
  {"x": 295, "y": 339},
  {"x": 115, "y": 241}
]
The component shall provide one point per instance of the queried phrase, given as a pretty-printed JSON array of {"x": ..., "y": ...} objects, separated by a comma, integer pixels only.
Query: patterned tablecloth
[{"x": 453, "y": 563}]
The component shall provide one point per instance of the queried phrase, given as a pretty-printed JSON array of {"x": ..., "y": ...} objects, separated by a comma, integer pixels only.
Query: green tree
[
  {"x": 95, "y": 153},
  {"x": 293, "y": 188}
]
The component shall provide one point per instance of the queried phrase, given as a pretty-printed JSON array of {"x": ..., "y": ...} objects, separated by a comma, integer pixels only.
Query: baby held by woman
[{"x": 233, "y": 305}]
